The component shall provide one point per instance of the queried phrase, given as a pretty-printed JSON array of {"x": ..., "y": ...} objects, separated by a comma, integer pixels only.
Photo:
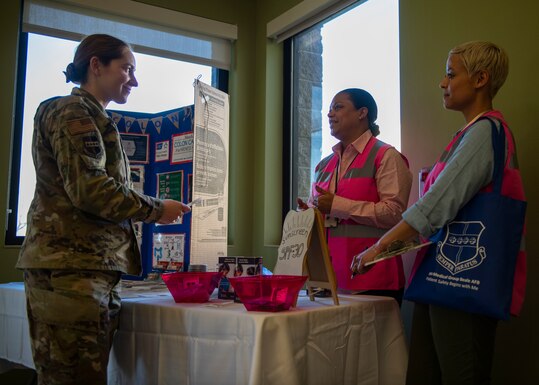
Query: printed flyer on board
[{"x": 210, "y": 176}]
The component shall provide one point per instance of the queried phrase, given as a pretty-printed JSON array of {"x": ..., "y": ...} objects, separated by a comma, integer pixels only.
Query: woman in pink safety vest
[
  {"x": 450, "y": 346},
  {"x": 362, "y": 188}
]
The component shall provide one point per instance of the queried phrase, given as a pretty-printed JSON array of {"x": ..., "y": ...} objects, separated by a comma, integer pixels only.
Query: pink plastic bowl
[
  {"x": 191, "y": 286},
  {"x": 268, "y": 292}
]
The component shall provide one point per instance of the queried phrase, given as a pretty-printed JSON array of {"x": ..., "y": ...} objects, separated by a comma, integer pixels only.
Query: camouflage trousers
[{"x": 73, "y": 315}]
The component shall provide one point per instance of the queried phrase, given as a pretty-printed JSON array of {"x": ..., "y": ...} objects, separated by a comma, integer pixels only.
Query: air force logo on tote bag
[{"x": 460, "y": 250}]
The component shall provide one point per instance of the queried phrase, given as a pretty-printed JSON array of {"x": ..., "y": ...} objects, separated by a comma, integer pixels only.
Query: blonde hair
[{"x": 484, "y": 56}]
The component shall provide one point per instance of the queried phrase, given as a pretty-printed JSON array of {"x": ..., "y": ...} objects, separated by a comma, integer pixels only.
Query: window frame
[
  {"x": 219, "y": 80},
  {"x": 288, "y": 151},
  {"x": 335, "y": 9},
  {"x": 16, "y": 149},
  {"x": 290, "y": 142}
]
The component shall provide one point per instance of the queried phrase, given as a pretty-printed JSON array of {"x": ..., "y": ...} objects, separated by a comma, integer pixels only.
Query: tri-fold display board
[{"x": 181, "y": 154}]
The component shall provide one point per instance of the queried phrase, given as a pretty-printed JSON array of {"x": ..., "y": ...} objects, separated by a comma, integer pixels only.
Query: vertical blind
[{"x": 148, "y": 29}]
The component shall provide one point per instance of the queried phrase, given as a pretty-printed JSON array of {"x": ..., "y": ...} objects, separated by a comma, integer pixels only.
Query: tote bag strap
[{"x": 498, "y": 145}]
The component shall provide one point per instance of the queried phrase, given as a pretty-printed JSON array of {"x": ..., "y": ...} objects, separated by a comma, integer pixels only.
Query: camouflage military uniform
[
  {"x": 79, "y": 225},
  {"x": 80, "y": 217},
  {"x": 73, "y": 316}
]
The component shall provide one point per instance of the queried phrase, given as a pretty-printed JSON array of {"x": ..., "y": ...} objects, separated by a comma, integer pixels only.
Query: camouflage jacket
[{"x": 83, "y": 207}]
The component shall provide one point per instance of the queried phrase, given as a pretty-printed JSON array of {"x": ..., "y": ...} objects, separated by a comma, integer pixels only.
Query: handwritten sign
[
  {"x": 297, "y": 229},
  {"x": 303, "y": 251}
]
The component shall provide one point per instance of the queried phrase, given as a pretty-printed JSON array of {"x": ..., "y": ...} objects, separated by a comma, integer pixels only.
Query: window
[
  {"x": 163, "y": 84},
  {"x": 168, "y": 60},
  {"x": 356, "y": 48}
]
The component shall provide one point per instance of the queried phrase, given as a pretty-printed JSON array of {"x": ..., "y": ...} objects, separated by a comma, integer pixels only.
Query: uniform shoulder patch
[{"x": 80, "y": 126}]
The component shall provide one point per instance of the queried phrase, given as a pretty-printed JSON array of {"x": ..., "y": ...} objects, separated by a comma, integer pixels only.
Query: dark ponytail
[
  {"x": 361, "y": 98},
  {"x": 104, "y": 47}
]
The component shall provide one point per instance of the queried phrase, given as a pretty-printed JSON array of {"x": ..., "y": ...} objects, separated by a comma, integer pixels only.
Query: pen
[
  {"x": 195, "y": 202},
  {"x": 356, "y": 272}
]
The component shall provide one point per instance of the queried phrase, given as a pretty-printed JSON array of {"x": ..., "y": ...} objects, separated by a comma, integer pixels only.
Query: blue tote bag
[{"x": 471, "y": 264}]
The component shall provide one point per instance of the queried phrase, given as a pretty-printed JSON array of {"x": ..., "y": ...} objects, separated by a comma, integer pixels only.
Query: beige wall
[{"x": 428, "y": 30}]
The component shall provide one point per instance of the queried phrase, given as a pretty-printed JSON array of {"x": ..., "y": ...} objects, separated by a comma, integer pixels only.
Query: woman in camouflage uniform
[{"x": 80, "y": 237}]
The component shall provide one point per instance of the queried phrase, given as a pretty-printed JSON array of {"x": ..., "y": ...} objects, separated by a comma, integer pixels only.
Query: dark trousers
[{"x": 450, "y": 347}]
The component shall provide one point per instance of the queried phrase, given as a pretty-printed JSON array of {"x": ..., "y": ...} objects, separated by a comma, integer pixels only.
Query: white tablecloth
[
  {"x": 14, "y": 334},
  {"x": 160, "y": 342}
]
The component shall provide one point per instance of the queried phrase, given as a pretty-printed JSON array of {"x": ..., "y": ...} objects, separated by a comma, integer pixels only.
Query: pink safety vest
[
  {"x": 511, "y": 187},
  {"x": 350, "y": 238}
]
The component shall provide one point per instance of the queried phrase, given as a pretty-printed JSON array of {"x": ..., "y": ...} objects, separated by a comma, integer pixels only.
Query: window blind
[
  {"x": 148, "y": 29},
  {"x": 305, "y": 15}
]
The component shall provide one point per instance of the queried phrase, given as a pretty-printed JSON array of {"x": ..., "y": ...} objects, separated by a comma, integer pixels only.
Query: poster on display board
[
  {"x": 137, "y": 178},
  {"x": 209, "y": 217},
  {"x": 168, "y": 251},
  {"x": 162, "y": 151},
  {"x": 154, "y": 174},
  {"x": 170, "y": 186},
  {"x": 182, "y": 148},
  {"x": 136, "y": 147}
]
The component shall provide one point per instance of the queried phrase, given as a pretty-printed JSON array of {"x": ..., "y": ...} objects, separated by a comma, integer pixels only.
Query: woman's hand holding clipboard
[{"x": 394, "y": 249}]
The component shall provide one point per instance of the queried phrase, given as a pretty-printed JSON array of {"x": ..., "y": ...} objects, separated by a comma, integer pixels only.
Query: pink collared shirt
[{"x": 393, "y": 181}]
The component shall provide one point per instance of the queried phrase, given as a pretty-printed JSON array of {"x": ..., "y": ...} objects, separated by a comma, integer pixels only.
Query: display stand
[{"x": 304, "y": 251}]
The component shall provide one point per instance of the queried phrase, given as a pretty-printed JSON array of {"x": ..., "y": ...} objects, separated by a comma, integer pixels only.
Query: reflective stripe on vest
[
  {"x": 367, "y": 170},
  {"x": 356, "y": 231}
]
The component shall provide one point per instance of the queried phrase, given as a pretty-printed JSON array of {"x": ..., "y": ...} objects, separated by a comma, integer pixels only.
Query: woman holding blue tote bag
[{"x": 472, "y": 210}]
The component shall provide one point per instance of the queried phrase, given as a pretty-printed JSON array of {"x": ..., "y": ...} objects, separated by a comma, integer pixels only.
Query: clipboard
[{"x": 393, "y": 253}]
